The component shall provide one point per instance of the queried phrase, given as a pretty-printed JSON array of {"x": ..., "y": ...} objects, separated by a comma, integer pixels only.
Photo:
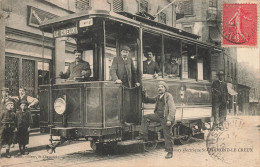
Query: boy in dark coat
[
  {"x": 23, "y": 122},
  {"x": 7, "y": 126}
]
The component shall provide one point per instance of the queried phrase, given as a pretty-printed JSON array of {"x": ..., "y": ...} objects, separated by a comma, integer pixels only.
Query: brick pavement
[{"x": 80, "y": 154}]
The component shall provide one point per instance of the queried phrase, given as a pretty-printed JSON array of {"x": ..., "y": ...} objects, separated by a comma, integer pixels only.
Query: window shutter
[
  {"x": 143, "y": 6},
  {"x": 117, "y": 5},
  {"x": 82, "y": 4},
  {"x": 188, "y": 7}
]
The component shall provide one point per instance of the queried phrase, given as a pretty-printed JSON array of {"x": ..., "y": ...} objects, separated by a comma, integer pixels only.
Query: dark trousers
[
  {"x": 167, "y": 130},
  {"x": 219, "y": 113}
]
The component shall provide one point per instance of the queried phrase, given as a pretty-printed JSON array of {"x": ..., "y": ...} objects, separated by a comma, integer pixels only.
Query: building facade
[{"x": 203, "y": 17}]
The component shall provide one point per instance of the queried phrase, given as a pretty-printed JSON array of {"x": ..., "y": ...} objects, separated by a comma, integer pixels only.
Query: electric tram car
[{"x": 92, "y": 110}]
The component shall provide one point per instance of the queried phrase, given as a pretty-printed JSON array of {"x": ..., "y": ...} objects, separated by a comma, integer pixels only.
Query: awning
[
  {"x": 231, "y": 91},
  {"x": 214, "y": 34}
]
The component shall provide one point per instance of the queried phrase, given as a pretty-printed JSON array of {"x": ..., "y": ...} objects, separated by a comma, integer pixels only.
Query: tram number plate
[
  {"x": 65, "y": 32},
  {"x": 85, "y": 23}
]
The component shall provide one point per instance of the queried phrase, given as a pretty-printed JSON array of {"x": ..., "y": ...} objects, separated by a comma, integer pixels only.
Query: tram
[{"x": 92, "y": 110}]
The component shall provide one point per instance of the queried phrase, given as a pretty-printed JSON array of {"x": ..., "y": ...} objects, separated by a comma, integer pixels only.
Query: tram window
[
  {"x": 88, "y": 56},
  {"x": 152, "y": 47},
  {"x": 172, "y": 58},
  {"x": 110, "y": 54}
]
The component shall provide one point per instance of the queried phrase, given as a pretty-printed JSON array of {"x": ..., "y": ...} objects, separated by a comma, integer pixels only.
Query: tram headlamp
[{"x": 60, "y": 105}]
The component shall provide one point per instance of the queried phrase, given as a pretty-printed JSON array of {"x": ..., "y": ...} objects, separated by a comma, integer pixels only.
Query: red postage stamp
[{"x": 239, "y": 25}]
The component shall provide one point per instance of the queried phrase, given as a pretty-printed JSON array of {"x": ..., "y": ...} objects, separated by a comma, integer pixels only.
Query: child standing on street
[
  {"x": 23, "y": 122},
  {"x": 7, "y": 126}
]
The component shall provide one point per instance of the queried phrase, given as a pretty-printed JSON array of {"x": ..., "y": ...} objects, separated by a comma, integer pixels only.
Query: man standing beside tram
[
  {"x": 78, "y": 70},
  {"x": 219, "y": 99}
]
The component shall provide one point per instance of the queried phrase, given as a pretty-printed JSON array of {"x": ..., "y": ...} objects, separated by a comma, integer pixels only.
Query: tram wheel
[
  {"x": 150, "y": 145},
  {"x": 185, "y": 134}
]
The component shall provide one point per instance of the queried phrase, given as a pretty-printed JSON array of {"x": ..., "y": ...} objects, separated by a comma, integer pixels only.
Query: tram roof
[{"x": 128, "y": 18}]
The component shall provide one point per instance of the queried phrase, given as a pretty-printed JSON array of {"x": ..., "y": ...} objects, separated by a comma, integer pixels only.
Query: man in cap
[
  {"x": 150, "y": 66},
  {"x": 219, "y": 99},
  {"x": 123, "y": 70},
  {"x": 7, "y": 126},
  {"x": 164, "y": 113},
  {"x": 5, "y": 98},
  {"x": 23, "y": 122},
  {"x": 78, "y": 70}
]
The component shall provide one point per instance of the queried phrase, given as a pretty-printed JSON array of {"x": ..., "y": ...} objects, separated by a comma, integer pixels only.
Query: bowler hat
[
  {"x": 220, "y": 73},
  {"x": 9, "y": 101},
  {"x": 164, "y": 84},
  {"x": 78, "y": 51},
  {"x": 125, "y": 47},
  {"x": 5, "y": 89}
]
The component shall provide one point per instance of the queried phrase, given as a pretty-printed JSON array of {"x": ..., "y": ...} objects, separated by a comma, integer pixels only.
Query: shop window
[
  {"x": 143, "y": 6},
  {"x": 43, "y": 72},
  {"x": 117, "y": 5},
  {"x": 12, "y": 74},
  {"x": 82, "y": 4},
  {"x": 162, "y": 18},
  {"x": 28, "y": 76}
]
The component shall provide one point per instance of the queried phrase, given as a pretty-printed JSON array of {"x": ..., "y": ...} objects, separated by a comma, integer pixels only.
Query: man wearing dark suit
[
  {"x": 219, "y": 99},
  {"x": 78, "y": 70},
  {"x": 123, "y": 70},
  {"x": 150, "y": 66}
]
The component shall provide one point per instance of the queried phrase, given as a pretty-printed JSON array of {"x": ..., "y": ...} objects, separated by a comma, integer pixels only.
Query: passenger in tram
[
  {"x": 150, "y": 66},
  {"x": 219, "y": 99},
  {"x": 171, "y": 66},
  {"x": 123, "y": 70},
  {"x": 164, "y": 113},
  {"x": 78, "y": 70}
]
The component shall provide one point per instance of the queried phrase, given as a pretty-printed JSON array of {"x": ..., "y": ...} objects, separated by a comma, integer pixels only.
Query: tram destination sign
[{"x": 65, "y": 32}]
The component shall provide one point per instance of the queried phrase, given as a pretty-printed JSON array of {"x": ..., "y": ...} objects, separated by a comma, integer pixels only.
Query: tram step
[{"x": 129, "y": 142}]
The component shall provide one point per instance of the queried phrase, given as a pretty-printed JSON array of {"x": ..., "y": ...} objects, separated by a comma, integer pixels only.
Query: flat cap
[
  {"x": 4, "y": 89},
  {"x": 9, "y": 101},
  {"x": 125, "y": 47},
  {"x": 164, "y": 84},
  {"x": 220, "y": 73},
  {"x": 78, "y": 51}
]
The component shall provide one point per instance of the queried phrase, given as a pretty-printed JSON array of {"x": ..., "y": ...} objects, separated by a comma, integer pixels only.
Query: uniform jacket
[
  {"x": 75, "y": 70},
  {"x": 150, "y": 68},
  {"x": 172, "y": 68},
  {"x": 169, "y": 110},
  {"x": 219, "y": 92},
  {"x": 123, "y": 70},
  {"x": 23, "y": 119}
]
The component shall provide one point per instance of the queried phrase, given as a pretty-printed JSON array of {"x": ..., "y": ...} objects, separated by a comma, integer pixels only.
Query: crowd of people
[{"x": 15, "y": 120}]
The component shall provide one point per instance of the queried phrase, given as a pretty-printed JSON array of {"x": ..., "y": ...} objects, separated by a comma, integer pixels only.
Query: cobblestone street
[{"x": 193, "y": 154}]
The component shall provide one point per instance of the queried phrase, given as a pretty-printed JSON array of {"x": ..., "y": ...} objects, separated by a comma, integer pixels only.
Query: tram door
[{"x": 117, "y": 34}]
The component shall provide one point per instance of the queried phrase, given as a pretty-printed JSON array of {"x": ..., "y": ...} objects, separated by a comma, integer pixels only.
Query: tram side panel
[{"x": 192, "y": 100}]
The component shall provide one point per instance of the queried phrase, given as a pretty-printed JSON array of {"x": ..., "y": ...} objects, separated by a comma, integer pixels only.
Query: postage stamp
[
  {"x": 239, "y": 25},
  {"x": 226, "y": 144}
]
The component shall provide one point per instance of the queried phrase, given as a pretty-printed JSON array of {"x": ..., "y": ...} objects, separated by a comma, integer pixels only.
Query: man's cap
[
  {"x": 24, "y": 102},
  {"x": 78, "y": 51},
  {"x": 164, "y": 84},
  {"x": 220, "y": 73},
  {"x": 9, "y": 101},
  {"x": 146, "y": 53},
  {"x": 125, "y": 47},
  {"x": 5, "y": 89}
]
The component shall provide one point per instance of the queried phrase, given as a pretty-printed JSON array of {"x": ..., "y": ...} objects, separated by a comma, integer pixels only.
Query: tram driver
[
  {"x": 150, "y": 66},
  {"x": 78, "y": 70}
]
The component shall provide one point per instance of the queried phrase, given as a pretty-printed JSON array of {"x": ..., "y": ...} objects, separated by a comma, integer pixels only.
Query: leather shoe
[
  {"x": 169, "y": 155},
  {"x": 127, "y": 124}
]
